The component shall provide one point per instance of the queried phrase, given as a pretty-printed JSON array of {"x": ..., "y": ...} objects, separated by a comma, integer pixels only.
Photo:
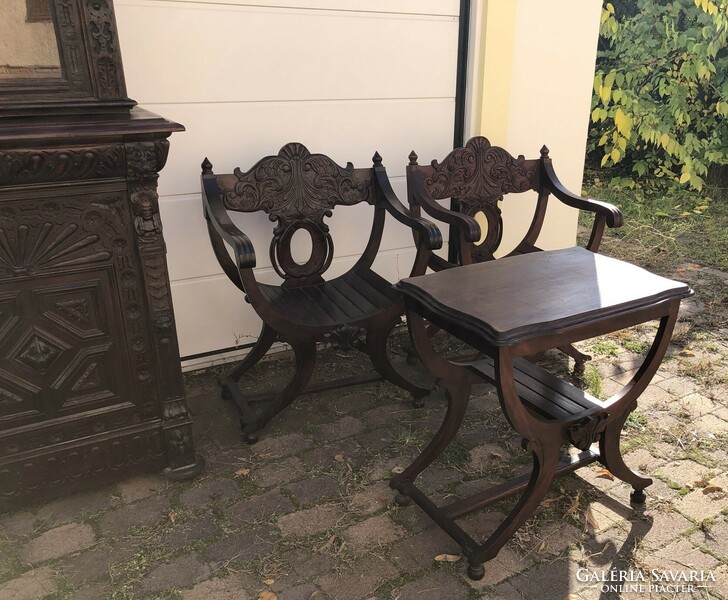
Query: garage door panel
[
  {"x": 238, "y": 135},
  {"x": 424, "y": 7},
  {"x": 252, "y": 54}
]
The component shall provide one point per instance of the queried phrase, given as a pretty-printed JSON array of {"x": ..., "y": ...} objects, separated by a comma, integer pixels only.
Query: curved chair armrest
[
  {"x": 609, "y": 212},
  {"x": 468, "y": 227},
  {"x": 218, "y": 217},
  {"x": 428, "y": 231}
]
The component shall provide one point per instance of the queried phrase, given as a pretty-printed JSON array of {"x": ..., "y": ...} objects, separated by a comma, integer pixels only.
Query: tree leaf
[
  {"x": 685, "y": 177},
  {"x": 267, "y": 595}
]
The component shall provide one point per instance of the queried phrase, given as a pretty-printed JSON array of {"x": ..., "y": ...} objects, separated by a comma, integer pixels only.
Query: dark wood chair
[
  {"x": 476, "y": 178},
  {"x": 358, "y": 309}
]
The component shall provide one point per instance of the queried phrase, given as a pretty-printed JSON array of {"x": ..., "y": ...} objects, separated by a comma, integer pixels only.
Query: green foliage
[{"x": 661, "y": 89}]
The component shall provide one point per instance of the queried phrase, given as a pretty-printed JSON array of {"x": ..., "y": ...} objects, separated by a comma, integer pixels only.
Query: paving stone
[
  {"x": 594, "y": 475},
  {"x": 344, "y": 427},
  {"x": 314, "y": 489},
  {"x": 359, "y": 580},
  {"x": 307, "y": 564},
  {"x": 93, "y": 592},
  {"x": 600, "y": 516},
  {"x": 377, "y": 440},
  {"x": 435, "y": 586},
  {"x": 210, "y": 491},
  {"x": 145, "y": 512},
  {"x": 556, "y": 538},
  {"x": 643, "y": 461},
  {"x": 656, "y": 528},
  {"x": 185, "y": 533},
  {"x": 699, "y": 505},
  {"x": 371, "y": 499},
  {"x": 697, "y": 404},
  {"x": 506, "y": 564},
  {"x": 486, "y": 456},
  {"x": 552, "y": 579},
  {"x": 183, "y": 572},
  {"x": 354, "y": 402},
  {"x": 482, "y": 523},
  {"x": 419, "y": 551},
  {"x": 383, "y": 467},
  {"x": 655, "y": 398},
  {"x": 289, "y": 469},
  {"x": 310, "y": 521},
  {"x": 34, "y": 584},
  {"x": 75, "y": 507},
  {"x": 372, "y": 533},
  {"x": 273, "y": 448},
  {"x": 710, "y": 425},
  {"x": 678, "y": 386},
  {"x": 260, "y": 508},
  {"x": 386, "y": 415},
  {"x": 330, "y": 455},
  {"x": 243, "y": 546},
  {"x": 238, "y": 586},
  {"x": 301, "y": 592},
  {"x": 22, "y": 523},
  {"x": 58, "y": 542},
  {"x": 679, "y": 556},
  {"x": 714, "y": 538},
  {"x": 94, "y": 563},
  {"x": 683, "y": 472},
  {"x": 138, "y": 488},
  {"x": 436, "y": 476}
]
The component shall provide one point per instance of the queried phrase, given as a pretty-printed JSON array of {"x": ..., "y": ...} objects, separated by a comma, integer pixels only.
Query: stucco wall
[{"x": 536, "y": 72}]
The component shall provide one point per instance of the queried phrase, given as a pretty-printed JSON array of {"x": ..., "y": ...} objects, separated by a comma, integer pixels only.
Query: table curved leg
[
  {"x": 458, "y": 394},
  {"x": 545, "y": 460},
  {"x": 626, "y": 399}
]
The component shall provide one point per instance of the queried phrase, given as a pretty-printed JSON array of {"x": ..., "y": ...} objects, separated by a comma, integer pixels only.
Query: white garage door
[{"x": 343, "y": 77}]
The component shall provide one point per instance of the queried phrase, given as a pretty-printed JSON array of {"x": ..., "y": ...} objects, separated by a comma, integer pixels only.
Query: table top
[{"x": 513, "y": 299}]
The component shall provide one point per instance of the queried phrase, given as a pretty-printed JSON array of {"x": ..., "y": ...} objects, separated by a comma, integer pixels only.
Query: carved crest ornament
[
  {"x": 297, "y": 189},
  {"x": 477, "y": 176}
]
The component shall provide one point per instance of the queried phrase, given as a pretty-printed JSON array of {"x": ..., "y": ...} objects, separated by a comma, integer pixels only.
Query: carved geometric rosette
[
  {"x": 64, "y": 267},
  {"x": 297, "y": 190}
]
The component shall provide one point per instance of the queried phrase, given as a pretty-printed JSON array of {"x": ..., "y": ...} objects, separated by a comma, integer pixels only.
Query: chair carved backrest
[
  {"x": 297, "y": 190},
  {"x": 477, "y": 176}
]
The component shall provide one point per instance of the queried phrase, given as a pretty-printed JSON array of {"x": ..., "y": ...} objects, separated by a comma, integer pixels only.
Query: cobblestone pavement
[{"x": 306, "y": 513}]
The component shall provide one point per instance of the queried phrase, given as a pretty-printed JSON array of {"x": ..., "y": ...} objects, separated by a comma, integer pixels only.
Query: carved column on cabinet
[{"x": 144, "y": 161}]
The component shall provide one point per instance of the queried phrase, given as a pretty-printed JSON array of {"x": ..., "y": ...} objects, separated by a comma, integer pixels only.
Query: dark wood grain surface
[{"x": 521, "y": 297}]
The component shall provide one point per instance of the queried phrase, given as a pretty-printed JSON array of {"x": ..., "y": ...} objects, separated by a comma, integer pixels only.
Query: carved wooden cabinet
[{"x": 90, "y": 383}]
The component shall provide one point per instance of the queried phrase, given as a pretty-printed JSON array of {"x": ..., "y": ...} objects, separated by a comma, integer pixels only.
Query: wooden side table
[{"x": 516, "y": 307}]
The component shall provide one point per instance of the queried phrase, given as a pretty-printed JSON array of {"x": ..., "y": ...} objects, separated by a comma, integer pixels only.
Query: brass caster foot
[
  {"x": 250, "y": 438},
  {"x": 402, "y": 500},
  {"x": 476, "y": 573},
  {"x": 638, "y": 497},
  {"x": 418, "y": 402}
]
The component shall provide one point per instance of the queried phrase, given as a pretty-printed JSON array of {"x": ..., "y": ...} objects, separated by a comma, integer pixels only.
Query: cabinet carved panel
[{"x": 90, "y": 381}]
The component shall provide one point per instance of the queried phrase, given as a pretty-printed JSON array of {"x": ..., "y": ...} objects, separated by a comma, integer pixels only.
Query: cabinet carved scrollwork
[{"x": 90, "y": 382}]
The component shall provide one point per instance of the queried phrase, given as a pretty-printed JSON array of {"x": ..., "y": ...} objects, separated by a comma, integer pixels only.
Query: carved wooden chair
[
  {"x": 357, "y": 309},
  {"x": 477, "y": 177}
]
